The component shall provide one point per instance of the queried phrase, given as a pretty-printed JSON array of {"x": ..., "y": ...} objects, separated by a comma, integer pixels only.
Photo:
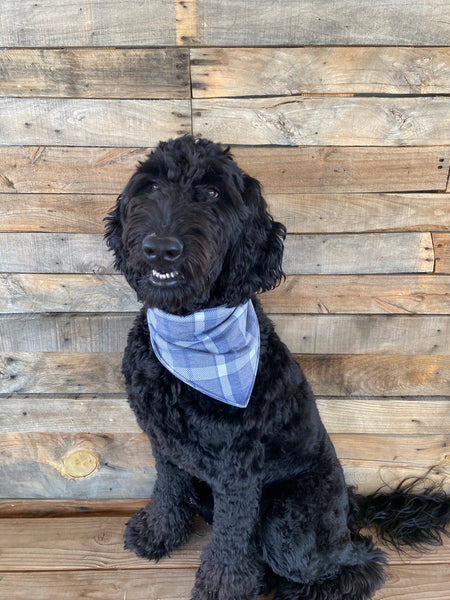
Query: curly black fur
[{"x": 267, "y": 476}]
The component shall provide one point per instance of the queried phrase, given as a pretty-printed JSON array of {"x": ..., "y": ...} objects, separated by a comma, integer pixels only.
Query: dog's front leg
[
  {"x": 166, "y": 522},
  {"x": 230, "y": 567}
]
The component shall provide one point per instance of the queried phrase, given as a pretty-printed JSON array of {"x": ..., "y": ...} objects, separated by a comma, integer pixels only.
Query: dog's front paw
[
  {"x": 226, "y": 577},
  {"x": 153, "y": 535}
]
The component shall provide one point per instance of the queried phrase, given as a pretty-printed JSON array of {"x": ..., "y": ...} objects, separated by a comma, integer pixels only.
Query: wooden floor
[{"x": 70, "y": 558}]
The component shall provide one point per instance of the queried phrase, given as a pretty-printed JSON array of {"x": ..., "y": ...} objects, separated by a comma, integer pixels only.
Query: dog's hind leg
[
  {"x": 306, "y": 541},
  {"x": 166, "y": 522}
]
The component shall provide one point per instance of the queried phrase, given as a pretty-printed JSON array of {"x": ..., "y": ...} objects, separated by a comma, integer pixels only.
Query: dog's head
[{"x": 192, "y": 230}]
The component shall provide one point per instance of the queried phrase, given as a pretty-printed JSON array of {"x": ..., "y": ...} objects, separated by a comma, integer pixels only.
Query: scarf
[{"x": 215, "y": 351}]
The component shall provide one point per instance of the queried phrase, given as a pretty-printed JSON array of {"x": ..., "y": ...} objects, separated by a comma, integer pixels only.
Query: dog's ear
[
  {"x": 254, "y": 263},
  {"x": 114, "y": 219}
]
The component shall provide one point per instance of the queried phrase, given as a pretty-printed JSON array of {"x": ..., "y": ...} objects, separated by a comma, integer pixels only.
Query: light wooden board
[
  {"x": 303, "y": 334},
  {"x": 94, "y": 73},
  {"x": 383, "y": 121},
  {"x": 301, "y": 213},
  {"x": 413, "y": 417},
  {"x": 353, "y": 294},
  {"x": 347, "y": 22},
  {"x": 85, "y": 23},
  {"x": 304, "y": 254},
  {"x": 330, "y": 375},
  {"x": 231, "y": 72},
  {"x": 441, "y": 242},
  {"x": 81, "y": 122},
  {"x": 283, "y": 170}
]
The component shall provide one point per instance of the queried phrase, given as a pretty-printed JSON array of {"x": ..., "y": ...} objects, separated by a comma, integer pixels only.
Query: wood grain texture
[
  {"x": 353, "y": 294},
  {"x": 346, "y": 213},
  {"x": 94, "y": 73},
  {"x": 283, "y": 170},
  {"x": 329, "y": 375},
  {"x": 286, "y": 170},
  {"x": 81, "y": 122},
  {"x": 312, "y": 23},
  {"x": 301, "y": 213},
  {"x": 424, "y": 417},
  {"x": 394, "y": 121},
  {"x": 303, "y": 334},
  {"x": 441, "y": 243},
  {"x": 237, "y": 72},
  {"x": 85, "y": 23},
  {"x": 67, "y": 170},
  {"x": 395, "y": 294},
  {"x": 304, "y": 254}
]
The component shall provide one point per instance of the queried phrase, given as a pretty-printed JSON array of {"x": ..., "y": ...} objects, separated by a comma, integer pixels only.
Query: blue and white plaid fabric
[{"x": 215, "y": 351}]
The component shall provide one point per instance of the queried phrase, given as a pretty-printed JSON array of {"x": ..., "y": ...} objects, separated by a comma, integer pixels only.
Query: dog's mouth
[{"x": 165, "y": 279}]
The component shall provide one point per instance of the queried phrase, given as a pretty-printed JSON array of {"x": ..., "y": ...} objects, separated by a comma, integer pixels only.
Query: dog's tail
[{"x": 414, "y": 514}]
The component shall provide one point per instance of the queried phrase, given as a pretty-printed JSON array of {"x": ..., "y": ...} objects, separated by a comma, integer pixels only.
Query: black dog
[{"x": 192, "y": 234}]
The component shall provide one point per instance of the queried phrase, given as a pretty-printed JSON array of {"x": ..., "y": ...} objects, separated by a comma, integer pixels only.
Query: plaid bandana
[{"x": 215, "y": 351}]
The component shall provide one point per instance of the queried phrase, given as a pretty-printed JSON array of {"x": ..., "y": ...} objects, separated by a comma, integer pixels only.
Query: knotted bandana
[{"x": 215, "y": 351}]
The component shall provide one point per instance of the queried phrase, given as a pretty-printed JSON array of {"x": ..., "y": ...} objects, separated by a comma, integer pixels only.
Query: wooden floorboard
[{"x": 71, "y": 558}]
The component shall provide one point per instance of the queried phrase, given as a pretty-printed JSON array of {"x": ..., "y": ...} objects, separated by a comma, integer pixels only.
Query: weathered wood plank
[
  {"x": 85, "y": 24},
  {"x": 417, "y": 417},
  {"x": 32, "y": 508},
  {"x": 330, "y": 375},
  {"x": 66, "y": 122},
  {"x": 67, "y": 170},
  {"x": 94, "y": 73},
  {"x": 53, "y": 253},
  {"x": 303, "y": 334},
  {"x": 42, "y": 538},
  {"x": 353, "y": 294},
  {"x": 304, "y": 254},
  {"x": 231, "y": 72},
  {"x": 301, "y": 213},
  {"x": 370, "y": 375},
  {"x": 393, "y": 121},
  {"x": 286, "y": 170},
  {"x": 137, "y": 584},
  {"x": 282, "y": 170},
  {"x": 423, "y": 294},
  {"x": 441, "y": 243},
  {"x": 359, "y": 253},
  {"x": 347, "y": 22},
  {"x": 346, "y": 213}
]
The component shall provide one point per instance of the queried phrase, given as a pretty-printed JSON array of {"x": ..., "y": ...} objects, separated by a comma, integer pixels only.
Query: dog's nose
[{"x": 161, "y": 248}]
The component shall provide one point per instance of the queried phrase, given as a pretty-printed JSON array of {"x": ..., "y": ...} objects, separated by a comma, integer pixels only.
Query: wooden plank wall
[{"x": 341, "y": 109}]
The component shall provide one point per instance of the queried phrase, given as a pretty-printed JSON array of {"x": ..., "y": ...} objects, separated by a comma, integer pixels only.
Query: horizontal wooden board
[
  {"x": 370, "y": 375},
  {"x": 339, "y": 213},
  {"x": 137, "y": 584},
  {"x": 301, "y": 213},
  {"x": 281, "y": 170},
  {"x": 369, "y": 294},
  {"x": 59, "y": 213},
  {"x": 304, "y": 254},
  {"x": 303, "y": 334},
  {"x": 347, "y": 22},
  {"x": 237, "y": 72},
  {"x": 359, "y": 253},
  {"x": 94, "y": 73},
  {"x": 330, "y": 375},
  {"x": 423, "y": 294},
  {"x": 394, "y": 121},
  {"x": 287, "y": 170},
  {"x": 441, "y": 242},
  {"x": 414, "y": 417},
  {"x": 66, "y": 122},
  {"x": 85, "y": 24},
  {"x": 32, "y": 508}
]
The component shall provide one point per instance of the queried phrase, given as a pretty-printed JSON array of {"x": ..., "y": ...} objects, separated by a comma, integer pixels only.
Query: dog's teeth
[{"x": 159, "y": 275}]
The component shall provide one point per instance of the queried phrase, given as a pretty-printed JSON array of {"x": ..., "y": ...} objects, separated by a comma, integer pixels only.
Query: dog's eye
[
  {"x": 211, "y": 193},
  {"x": 154, "y": 186}
]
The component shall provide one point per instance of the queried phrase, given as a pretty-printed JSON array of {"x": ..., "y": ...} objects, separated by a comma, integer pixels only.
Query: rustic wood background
[{"x": 341, "y": 109}]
